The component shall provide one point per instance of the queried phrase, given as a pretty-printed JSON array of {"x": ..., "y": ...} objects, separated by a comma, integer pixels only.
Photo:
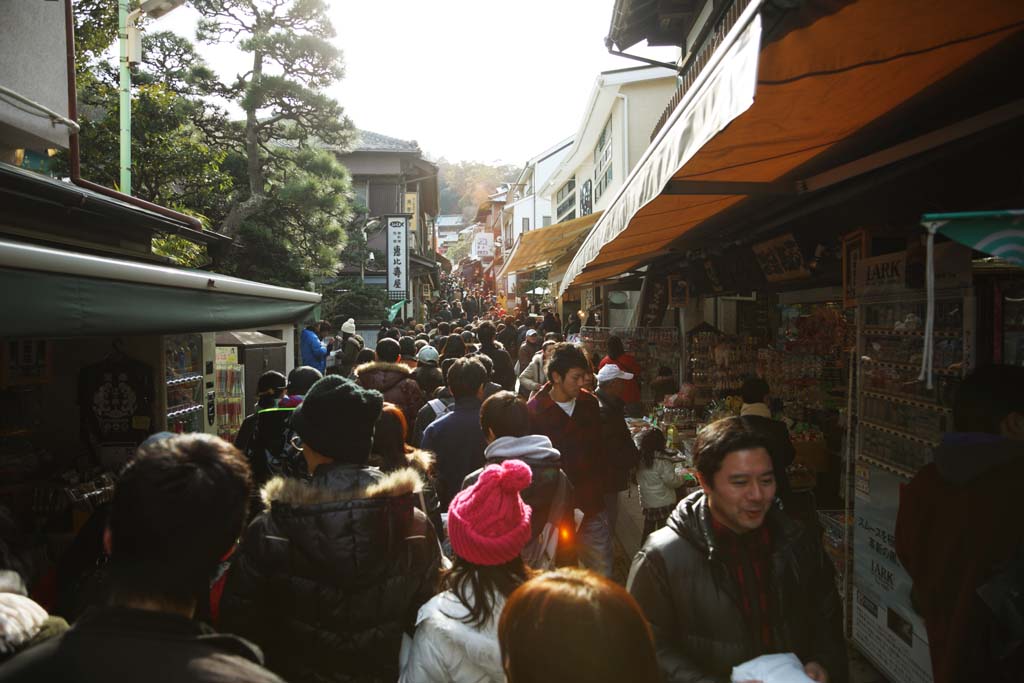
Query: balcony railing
[{"x": 699, "y": 60}]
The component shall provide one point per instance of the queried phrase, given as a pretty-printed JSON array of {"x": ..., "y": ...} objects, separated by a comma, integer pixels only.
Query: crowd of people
[{"x": 441, "y": 508}]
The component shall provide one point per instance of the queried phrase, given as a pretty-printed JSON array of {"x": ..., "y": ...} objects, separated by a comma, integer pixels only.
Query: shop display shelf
[
  {"x": 887, "y": 466},
  {"x": 190, "y": 379},
  {"x": 907, "y": 401},
  {"x": 181, "y": 412},
  {"x": 910, "y": 366},
  {"x": 888, "y": 332},
  {"x": 899, "y": 432}
]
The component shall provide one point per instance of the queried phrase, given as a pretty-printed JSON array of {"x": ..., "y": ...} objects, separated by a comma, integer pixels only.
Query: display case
[
  {"x": 700, "y": 369},
  {"x": 189, "y": 392},
  {"x": 230, "y": 389}
]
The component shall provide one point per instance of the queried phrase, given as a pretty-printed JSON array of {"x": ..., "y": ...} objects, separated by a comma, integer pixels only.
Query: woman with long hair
[
  {"x": 657, "y": 476},
  {"x": 574, "y": 625},
  {"x": 457, "y": 631},
  {"x": 390, "y": 453}
]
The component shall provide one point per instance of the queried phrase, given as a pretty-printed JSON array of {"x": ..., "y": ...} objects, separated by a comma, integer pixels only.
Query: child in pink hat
[{"x": 456, "y": 631}]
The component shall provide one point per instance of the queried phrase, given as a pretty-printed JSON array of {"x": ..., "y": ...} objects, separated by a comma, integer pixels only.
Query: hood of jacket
[
  {"x": 533, "y": 449},
  {"x": 352, "y": 519},
  {"x": 692, "y": 521},
  {"x": 382, "y": 376},
  {"x": 963, "y": 457}
]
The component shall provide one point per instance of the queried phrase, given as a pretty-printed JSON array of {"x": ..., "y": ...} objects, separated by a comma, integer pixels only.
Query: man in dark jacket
[
  {"x": 504, "y": 368},
  {"x": 757, "y": 414},
  {"x": 731, "y": 577},
  {"x": 392, "y": 379},
  {"x": 177, "y": 509},
  {"x": 958, "y": 525},
  {"x": 332, "y": 574},
  {"x": 505, "y": 421},
  {"x": 622, "y": 451},
  {"x": 570, "y": 416},
  {"x": 456, "y": 438}
]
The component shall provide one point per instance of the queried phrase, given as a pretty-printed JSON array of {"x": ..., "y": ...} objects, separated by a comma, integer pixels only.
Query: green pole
[{"x": 126, "y": 99}]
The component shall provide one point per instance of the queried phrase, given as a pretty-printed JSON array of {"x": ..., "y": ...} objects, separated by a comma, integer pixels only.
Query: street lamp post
[{"x": 126, "y": 28}]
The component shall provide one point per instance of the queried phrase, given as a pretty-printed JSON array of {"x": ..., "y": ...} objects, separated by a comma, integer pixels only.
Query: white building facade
[{"x": 621, "y": 112}]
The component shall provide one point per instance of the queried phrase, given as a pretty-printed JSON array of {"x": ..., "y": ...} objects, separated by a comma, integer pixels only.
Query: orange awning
[
  {"x": 816, "y": 87},
  {"x": 538, "y": 248}
]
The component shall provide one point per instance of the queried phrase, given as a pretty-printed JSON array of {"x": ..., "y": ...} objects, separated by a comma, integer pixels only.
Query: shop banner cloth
[
  {"x": 395, "y": 309},
  {"x": 997, "y": 233}
]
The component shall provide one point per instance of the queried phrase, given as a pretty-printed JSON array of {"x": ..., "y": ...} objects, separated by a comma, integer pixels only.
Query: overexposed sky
[{"x": 468, "y": 79}]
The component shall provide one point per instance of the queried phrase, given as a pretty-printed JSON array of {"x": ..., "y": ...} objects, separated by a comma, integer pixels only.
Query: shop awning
[
  {"x": 816, "y": 87},
  {"x": 996, "y": 233},
  {"x": 57, "y": 293},
  {"x": 538, "y": 248}
]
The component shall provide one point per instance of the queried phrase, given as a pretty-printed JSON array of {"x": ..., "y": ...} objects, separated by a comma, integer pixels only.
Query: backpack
[
  {"x": 439, "y": 407},
  {"x": 272, "y": 451},
  {"x": 540, "y": 552}
]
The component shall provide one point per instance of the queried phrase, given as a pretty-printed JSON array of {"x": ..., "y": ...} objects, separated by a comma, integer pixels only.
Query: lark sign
[
  {"x": 397, "y": 256},
  {"x": 882, "y": 274}
]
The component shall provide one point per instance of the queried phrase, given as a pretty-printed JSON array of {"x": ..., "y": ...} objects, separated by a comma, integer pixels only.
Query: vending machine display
[{"x": 189, "y": 383}]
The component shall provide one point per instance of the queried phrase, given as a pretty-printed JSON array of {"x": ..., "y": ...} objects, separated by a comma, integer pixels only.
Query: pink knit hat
[{"x": 488, "y": 523}]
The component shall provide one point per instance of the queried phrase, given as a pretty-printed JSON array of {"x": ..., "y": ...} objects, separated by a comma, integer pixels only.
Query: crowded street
[{"x": 715, "y": 373}]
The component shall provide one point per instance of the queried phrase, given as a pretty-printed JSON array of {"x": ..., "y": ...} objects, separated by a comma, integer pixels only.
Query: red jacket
[
  {"x": 631, "y": 394},
  {"x": 958, "y": 519},
  {"x": 578, "y": 439}
]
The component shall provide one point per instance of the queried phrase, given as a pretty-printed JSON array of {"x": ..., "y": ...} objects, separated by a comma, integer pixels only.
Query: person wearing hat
[
  {"x": 623, "y": 454},
  {"x": 269, "y": 389},
  {"x": 328, "y": 577},
  {"x": 529, "y": 349},
  {"x": 351, "y": 345},
  {"x": 456, "y": 631},
  {"x": 428, "y": 373}
]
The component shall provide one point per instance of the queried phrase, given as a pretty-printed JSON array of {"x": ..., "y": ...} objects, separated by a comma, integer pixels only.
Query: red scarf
[{"x": 748, "y": 558}]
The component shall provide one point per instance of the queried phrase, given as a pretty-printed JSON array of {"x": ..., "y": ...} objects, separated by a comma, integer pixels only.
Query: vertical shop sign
[
  {"x": 885, "y": 624},
  {"x": 398, "y": 256},
  {"x": 412, "y": 208}
]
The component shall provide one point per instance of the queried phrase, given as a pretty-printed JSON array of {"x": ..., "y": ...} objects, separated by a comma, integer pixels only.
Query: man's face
[
  {"x": 534, "y": 339},
  {"x": 570, "y": 385},
  {"x": 744, "y": 489}
]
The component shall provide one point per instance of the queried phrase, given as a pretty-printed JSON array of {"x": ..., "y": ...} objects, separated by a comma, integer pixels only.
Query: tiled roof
[{"x": 368, "y": 141}]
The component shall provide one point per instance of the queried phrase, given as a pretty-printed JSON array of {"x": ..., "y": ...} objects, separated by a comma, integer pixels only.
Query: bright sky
[{"x": 468, "y": 79}]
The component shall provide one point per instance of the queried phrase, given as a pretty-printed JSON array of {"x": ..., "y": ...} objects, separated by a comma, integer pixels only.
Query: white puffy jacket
[
  {"x": 445, "y": 648},
  {"x": 659, "y": 482}
]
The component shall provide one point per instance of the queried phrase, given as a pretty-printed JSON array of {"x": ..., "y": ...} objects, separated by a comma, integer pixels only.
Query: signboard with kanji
[{"x": 397, "y": 256}]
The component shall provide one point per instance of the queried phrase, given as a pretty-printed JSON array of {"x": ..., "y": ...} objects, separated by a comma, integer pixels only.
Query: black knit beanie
[{"x": 337, "y": 418}]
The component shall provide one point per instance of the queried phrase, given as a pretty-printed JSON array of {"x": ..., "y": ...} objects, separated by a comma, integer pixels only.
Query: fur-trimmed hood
[
  {"x": 382, "y": 376},
  {"x": 349, "y": 518}
]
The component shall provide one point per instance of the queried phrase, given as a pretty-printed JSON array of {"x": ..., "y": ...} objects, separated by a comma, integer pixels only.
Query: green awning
[
  {"x": 47, "y": 304},
  {"x": 997, "y": 233}
]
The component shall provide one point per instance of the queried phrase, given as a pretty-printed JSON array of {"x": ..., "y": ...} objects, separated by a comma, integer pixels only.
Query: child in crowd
[{"x": 657, "y": 476}]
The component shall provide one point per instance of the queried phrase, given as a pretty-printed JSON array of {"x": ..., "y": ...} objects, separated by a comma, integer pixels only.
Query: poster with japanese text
[{"x": 885, "y": 626}]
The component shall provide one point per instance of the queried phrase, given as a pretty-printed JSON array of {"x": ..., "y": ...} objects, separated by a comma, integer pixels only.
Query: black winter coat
[
  {"x": 691, "y": 600},
  {"x": 504, "y": 366},
  {"x": 122, "y": 645},
  {"x": 623, "y": 454},
  {"x": 328, "y": 579}
]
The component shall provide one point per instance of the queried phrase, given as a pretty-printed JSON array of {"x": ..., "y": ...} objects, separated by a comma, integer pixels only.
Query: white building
[
  {"x": 448, "y": 227},
  {"x": 620, "y": 114},
  {"x": 524, "y": 210}
]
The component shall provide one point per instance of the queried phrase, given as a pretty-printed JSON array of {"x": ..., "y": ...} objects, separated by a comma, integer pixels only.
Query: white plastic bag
[{"x": 779, "y": 668}]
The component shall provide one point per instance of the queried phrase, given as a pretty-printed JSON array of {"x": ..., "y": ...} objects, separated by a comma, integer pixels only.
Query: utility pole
[{"x": 125, "y": 98}]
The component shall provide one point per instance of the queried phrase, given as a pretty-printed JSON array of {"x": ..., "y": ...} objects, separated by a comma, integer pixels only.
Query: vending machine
[{"x": 189, "y": 383}]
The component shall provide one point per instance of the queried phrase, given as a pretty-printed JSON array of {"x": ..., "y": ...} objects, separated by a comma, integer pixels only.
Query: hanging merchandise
[{"x": 115, "y": 397}]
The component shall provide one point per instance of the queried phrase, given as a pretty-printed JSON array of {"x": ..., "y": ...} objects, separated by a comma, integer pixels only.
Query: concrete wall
[{"x": 33, "y": 64}]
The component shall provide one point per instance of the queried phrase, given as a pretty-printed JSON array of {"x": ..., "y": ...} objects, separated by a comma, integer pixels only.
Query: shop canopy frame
[
  {"x": 62, "y": 294},
  {"x": 541, "y": 247},
  {"x": 817, "y": 87}
]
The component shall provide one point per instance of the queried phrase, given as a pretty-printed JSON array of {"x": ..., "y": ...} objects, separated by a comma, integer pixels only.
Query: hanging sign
[
  {"x": 412, "y": 208},
  {"x": 397, "y": 256},
  {"x": 781, "y": 259},
  {"x": 483, "y": 245}
]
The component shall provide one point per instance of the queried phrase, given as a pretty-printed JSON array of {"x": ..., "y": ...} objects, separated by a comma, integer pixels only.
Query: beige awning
[{"x": 538, "y": 248}]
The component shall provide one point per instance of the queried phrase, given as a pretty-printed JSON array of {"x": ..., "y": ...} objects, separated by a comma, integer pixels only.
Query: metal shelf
[
  {"x": 907, "y": 401},
  {"x": 910, "y": 366},
  {"x": 899, "y": 432},
  {"x": 886, "y": 332},
  {"x": 887, "y": 466},
  {"x": 190, "y": 379}
]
